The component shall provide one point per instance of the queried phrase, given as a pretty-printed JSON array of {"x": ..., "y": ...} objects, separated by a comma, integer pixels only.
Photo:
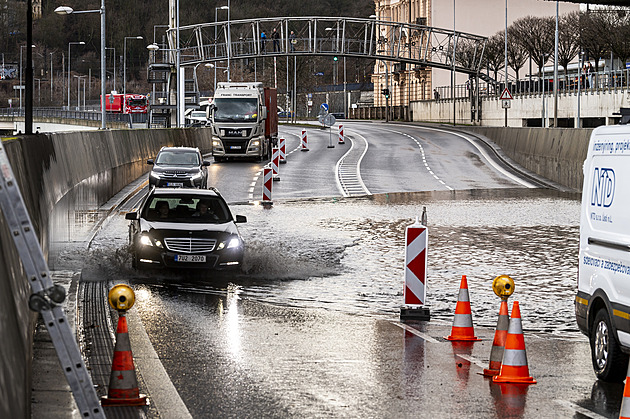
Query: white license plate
[
  {"x": 175, "y": 184},
  {"x": 235, "y": 147},
  {"x": 190, "y": 258}
]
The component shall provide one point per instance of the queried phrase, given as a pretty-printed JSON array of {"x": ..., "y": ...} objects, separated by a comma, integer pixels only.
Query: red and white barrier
[
  {"x": 266, "y": 187},
  {"x": 275, "y": 163},
  {"x": 415, "y": 292},
  {"x": 283, "y": 150},
  {"x": 304, "y": 141},
  {"x": 341, "y": 137}
]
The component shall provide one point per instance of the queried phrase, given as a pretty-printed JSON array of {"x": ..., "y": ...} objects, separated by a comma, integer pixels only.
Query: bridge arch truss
[{"x": 418, "y": 45}]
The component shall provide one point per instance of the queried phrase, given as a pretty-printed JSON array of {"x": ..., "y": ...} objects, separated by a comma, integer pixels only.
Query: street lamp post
[
  {"x": 65, "y": 10},
  {"x": 114, "y": 60},
  {"x": 125, "y": 61},
  {"x": 21, "y": 85},
  {"x": 51, "y": 77},
  {"x": 71, "y": 43},
  {"x": 79, "y": 91},
  {"x": 216, "y": 9}
]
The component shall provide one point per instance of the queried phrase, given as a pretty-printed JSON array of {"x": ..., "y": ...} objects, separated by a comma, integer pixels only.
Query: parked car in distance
[
  {"x": 179, "y": 167},
  {"x": 196, "y": 119},
  {"x": 185, "y": 228}
]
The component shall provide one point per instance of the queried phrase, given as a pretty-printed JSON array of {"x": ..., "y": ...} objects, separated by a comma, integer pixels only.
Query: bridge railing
[
  {"x": 346, "y": 37},
  {"x": 69, "y": 114}
]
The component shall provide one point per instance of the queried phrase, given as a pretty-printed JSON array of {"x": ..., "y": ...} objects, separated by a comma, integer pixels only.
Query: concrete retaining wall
[
  {"x": 555, "y": 153},
  {"x": 47, "y": 168}
]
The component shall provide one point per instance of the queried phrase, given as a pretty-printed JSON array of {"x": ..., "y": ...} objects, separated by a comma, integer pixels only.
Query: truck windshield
[{"x": 236, "y": 110}]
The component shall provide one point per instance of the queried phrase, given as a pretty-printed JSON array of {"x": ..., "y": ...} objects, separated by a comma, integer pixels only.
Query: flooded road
[{"x": 310, "y": 327}]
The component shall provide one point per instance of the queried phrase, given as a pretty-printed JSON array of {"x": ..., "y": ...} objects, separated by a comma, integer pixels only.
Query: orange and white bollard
[
  {"x": 275, "y": 166},
  {"x": 283, "y": 150},
  {"x": 415, "y": 292},
  {"x": 267, "y": 186},
  {"x": 304, "y": 141},
  {"x": 341, "y": 137}
]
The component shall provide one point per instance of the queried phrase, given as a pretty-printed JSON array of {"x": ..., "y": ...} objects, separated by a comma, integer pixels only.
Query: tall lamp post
[
  {"x": 21, "y": 85},
  {"x": 125, "y": 61},
  {"x": 114, "y": 60},
  {"x": 65, "y": 10},
  {"x": 216, "y": 9},
  {"x": 69, "y": 44}
]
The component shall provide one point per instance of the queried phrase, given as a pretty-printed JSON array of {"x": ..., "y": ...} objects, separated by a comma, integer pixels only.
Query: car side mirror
[
  {"x": 206, "y": 163},
  {"x": 131, "y": 216},
  {"x": 240, "y": 219},
  {"x": 150, "y": 161}
]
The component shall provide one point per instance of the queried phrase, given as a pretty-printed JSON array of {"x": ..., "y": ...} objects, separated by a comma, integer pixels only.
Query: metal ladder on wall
[{"x": 46, "y": 297}]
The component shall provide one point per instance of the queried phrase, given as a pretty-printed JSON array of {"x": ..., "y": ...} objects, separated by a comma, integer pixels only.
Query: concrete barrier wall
[
  {"x": 555, "y": 153},
  {"x": 48, "y": 167}
]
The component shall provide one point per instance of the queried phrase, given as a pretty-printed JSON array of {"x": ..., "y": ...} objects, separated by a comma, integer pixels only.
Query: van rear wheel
[{"x": 609, "y": 362}]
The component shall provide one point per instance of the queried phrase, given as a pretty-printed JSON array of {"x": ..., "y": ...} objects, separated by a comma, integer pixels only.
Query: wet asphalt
[{"x": 312, "y": 329}]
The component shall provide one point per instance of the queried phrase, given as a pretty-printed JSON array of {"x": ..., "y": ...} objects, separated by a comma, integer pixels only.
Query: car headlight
[
  {"x": 196, "y": 176},
  {"x": 216, "y": 143},
  {"x": 154, "y": 175},
  {"x": 255, "y": 143},
  {"x": 231, "y": 243},
  {"x": 146, "y": 241}
]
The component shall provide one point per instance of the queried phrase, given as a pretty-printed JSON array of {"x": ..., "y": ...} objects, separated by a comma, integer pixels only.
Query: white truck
[
  {"x": 244, "y": 121},
  {"x": 602, "y": 303}
]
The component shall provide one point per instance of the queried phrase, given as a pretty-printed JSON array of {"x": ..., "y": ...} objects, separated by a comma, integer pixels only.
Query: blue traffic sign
[{"x": 324, "y": 106}]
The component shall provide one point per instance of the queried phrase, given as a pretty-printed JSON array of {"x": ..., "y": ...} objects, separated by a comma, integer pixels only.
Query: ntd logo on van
[{"x": 603, "y": 188}]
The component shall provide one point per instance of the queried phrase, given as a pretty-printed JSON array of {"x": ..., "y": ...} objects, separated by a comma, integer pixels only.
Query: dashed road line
[{"x": 416, "y": 332}]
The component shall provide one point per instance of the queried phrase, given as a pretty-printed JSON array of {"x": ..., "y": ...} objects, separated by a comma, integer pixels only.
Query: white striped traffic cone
[
  {"x": 462, "y": 322},
  {"x": 514, "y": 367}
]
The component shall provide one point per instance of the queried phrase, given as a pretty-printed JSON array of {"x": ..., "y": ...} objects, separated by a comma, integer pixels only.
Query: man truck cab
[{"x": 602, "y": 304}]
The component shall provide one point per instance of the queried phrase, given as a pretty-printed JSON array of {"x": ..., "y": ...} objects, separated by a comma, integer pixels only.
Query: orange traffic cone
[
  {"x": 123, "y": 384},
  {"x": 624, "y": 413},
  {"x": 500, "y": 334},
  {"x": 514, "y": 367},
  {"x": 462, "y": 323}
]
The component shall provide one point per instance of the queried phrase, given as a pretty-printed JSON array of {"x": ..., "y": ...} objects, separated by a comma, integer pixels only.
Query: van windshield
[{"x": 236, "y": 110}]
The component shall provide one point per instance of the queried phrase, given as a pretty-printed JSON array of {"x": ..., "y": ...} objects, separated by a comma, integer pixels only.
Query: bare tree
[
  {"x": 595, "y": 34},
  {"x": 568, "y": 40},
  {"x": 536, "y": 37},
  {"x": 619, "y": 21},
  {"x": 493, "y": 57},
  {"x": 516, "y": 55}
]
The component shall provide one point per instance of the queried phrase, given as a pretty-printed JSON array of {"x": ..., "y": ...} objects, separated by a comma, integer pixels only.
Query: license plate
[
  {"x": 190, "y": 258},
  {"x": 235, "y": 147},
  {"x": 175, "y": 184}
]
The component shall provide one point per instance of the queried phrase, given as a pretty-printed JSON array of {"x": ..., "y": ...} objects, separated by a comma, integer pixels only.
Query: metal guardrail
[{"x": 94, "y": 115}]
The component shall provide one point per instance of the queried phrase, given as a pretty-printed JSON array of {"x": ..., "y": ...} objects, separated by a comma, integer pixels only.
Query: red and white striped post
[
  {"x": 304, "y": 141},
  {"x": 283, "y": 150},
  {"x": 341, "y": 138},
  {"x": 275, "y": 163},
  {"x": 415, "y": 292},
  {"x": 266, "y": 187}
]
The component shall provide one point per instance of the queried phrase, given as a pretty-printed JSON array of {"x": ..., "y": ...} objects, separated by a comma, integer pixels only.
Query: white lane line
[
  {"x": 416, "y": 332},
  {"x": 354, "y": 177},
  {"x": 472, "y": 360},
  {"x": 483, "y": 153},
  {"x": 579, "y": 409},
  {"x": 424, "y": 158},
  {"x": 163, "y": 394}
]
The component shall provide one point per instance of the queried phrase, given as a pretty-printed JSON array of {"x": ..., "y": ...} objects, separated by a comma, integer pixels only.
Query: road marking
[
  {"x": 472, "y": 360},
  {"x": 424, "y": 158},
  {"x": 348, "y": 169},
  {"x": 483, "y": 153},
  {"x": 416, "y": 332},
  {"x": 162, "y": 391},
  {"x": 579, "y": 409}
]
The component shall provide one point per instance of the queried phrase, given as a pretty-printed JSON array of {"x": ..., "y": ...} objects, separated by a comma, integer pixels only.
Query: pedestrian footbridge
[{"x": 417, "y": 45}]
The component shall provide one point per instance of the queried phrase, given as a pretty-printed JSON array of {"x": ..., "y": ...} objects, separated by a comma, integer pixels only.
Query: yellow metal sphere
[
  {"x": 121, "y": 297},
  {"x": 503, "y": 286}
]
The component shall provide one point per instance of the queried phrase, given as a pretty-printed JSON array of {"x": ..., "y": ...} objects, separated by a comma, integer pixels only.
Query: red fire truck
[{"x": 129, "y": 103}]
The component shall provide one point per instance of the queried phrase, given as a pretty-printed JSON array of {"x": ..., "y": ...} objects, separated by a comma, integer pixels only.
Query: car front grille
[{"x": 190, "y": 245}]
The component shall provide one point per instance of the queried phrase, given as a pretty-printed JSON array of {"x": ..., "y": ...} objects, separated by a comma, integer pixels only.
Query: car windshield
[
  {"x": 198, "y": 115},
  {"x": 177, "y": 158},
  {"x": 236, "y": 110},
  {"x": 187, "y": 209}
]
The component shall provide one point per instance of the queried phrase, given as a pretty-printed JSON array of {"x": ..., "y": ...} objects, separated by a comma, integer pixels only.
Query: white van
[{"x": 602, "y": 304}]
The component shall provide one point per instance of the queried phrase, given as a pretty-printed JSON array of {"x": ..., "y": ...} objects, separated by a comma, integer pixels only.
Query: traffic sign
[
  {"x": 505, "y": 103},
  {"x": 506, "y": 95},
  {"x": 324, "y": 107}
]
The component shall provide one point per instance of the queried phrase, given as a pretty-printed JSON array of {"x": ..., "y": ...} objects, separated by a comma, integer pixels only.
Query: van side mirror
[
  {"x": 264, "y": 112},
  {"x": 131, "y": 216},
  {"x": 240, "y": 219},
  {"x": 150, "y": 161}
]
